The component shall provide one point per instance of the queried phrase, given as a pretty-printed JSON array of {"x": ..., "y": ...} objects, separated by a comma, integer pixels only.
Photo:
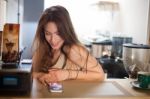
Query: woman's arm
[
  {"x": 80, "y": 58},
  {"x": 62, "y": 74},
  {"x": 91, "y": 69}
]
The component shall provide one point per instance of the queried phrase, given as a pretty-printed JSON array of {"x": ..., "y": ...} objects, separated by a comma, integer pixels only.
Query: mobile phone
[{"x": 55, "y": 87}]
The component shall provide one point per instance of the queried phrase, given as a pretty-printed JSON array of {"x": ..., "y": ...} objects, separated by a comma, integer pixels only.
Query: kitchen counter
[{"x": 109, "y": 89}]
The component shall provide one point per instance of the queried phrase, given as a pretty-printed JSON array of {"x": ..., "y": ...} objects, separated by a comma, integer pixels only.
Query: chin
[{"x": 56, "y": 48}]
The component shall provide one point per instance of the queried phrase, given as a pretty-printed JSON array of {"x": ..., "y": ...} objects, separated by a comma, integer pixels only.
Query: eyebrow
[
  {"x": 47, "y": 31},
  {"x": 51, "y": 33}
]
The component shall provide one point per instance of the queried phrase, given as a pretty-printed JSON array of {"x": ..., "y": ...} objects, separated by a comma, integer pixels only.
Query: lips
[{"x": 54, "y": 45}]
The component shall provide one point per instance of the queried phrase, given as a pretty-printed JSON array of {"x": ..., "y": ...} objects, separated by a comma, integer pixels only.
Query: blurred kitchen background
[{"x": 96, "y": 22}]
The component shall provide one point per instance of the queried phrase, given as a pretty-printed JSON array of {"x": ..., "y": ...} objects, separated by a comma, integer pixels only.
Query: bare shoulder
[
  {"x": 78, "y": 50},
  {"x": 78, "y": 54}
]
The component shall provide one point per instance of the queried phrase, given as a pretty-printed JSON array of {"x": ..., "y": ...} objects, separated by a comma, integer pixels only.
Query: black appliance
[
  {"x": 113, "y": 64},
  {"x": 16, "y": 80},
  {"x": 113, "y": 67}
]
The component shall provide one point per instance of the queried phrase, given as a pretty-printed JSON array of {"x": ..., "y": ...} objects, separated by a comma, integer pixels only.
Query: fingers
[
  {"x": 59, "y": 74},
  {"x": 48, "y": 78},
  {"x": 54, "y": 75},
  {"x": 42, "y": 80},
  {"x": 45, "y": 79}
]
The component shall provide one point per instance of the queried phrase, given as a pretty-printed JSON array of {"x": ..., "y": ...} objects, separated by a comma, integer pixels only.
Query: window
[{"x": 92, "y": 17}]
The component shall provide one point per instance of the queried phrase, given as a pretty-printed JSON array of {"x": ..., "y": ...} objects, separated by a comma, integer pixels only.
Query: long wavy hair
[{"x": 42, "y": 49}]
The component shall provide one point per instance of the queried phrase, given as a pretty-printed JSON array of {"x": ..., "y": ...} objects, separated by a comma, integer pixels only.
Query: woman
[{"x": 58, "y": 54}]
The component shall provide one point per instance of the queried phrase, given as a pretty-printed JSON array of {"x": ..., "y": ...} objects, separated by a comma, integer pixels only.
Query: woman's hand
[
  {"x": 54, "y": 75},
  {"x": 59, "y": 74},
  {"x": 46, "y": 78}
]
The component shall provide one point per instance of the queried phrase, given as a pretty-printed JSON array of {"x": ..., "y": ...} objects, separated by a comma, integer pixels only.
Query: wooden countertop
[{"x": 109, "y": 89}]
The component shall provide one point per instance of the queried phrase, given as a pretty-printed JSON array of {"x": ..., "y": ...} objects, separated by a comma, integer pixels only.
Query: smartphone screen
[{"x": 55, "y": 87}]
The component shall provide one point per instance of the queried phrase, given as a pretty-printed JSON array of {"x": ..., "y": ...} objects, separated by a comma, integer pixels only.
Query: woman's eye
[{"x": 47, "y": 33}]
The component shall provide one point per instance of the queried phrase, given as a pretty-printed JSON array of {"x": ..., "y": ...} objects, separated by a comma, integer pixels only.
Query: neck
[
  {"x": 56, "y": 51},
  {"x": 57, "y": 54}
]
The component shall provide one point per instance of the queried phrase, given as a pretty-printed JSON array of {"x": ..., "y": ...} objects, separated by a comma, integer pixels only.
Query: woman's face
[{"x": 52, "y": 36}]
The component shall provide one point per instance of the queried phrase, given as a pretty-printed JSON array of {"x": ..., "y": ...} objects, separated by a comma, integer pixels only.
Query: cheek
[
  {"x": 62, "y": 39},
  {"x": 60, "y": 42},
  {"x": 47, "y": 38},
  {"x": 59, "y": 39}
]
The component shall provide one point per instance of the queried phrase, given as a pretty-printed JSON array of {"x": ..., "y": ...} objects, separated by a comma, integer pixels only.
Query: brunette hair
[{"x": 60, "y": 16}]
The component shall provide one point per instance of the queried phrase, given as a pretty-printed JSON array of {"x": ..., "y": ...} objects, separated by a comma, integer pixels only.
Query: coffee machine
[
  {"x": 112, "y": 63},
  {"x": 15, "y": 76},
  {"x": 136, "y": 57},
  {"x": 102, "y": 48}
]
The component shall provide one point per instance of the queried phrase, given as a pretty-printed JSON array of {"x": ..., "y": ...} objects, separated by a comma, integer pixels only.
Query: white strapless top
[{"x": 60, "y": 62}]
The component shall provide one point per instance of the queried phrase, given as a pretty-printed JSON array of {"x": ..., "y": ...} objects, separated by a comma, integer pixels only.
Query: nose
[{"x": 52, "y": 38}]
